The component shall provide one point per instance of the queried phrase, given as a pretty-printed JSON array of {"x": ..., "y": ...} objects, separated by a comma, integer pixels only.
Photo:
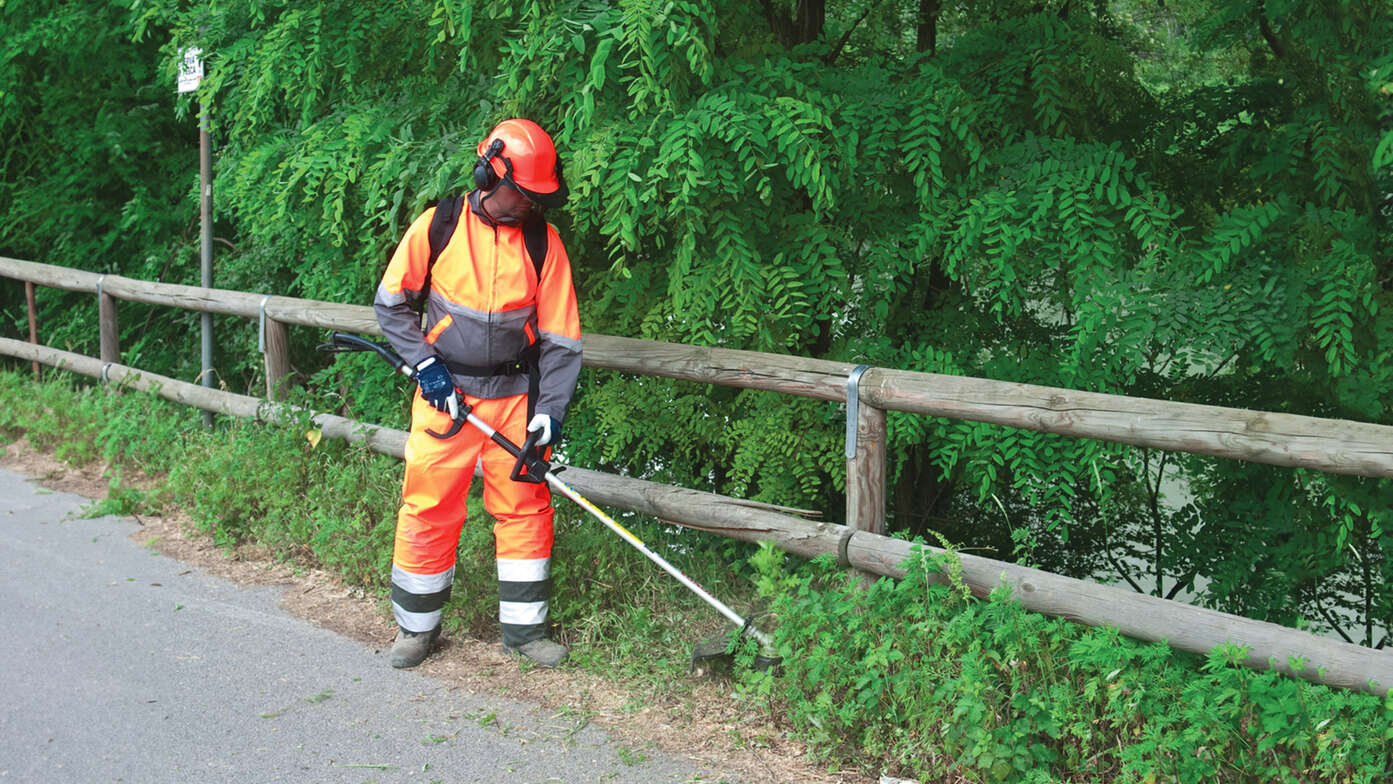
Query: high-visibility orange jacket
[{"x": 485, "y": 307}]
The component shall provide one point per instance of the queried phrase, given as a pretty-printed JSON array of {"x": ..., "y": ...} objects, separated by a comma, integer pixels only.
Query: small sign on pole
[{"x": 190, "y": 69}]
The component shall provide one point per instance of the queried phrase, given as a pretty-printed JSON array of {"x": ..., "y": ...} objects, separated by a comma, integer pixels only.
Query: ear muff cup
[{"x": 484, "y": 175}]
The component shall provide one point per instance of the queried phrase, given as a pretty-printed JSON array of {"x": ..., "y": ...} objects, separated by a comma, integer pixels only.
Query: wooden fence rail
[{"x": 1281, "y": 439}]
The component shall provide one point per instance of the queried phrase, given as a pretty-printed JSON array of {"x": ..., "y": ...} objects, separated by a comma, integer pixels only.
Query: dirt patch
[{"x": 707, "y": 727}]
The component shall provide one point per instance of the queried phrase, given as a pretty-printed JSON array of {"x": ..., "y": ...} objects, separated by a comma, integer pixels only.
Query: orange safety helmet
[{"x": 521, "y": 154}]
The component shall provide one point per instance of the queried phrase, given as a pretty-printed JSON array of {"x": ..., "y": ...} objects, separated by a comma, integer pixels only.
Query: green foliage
[
  {"x": 917, "y": 677},
  {"x": 94, "y": 168},
  {"x": 120, "y": 500},
  {"x": 1185, "y": 201}
]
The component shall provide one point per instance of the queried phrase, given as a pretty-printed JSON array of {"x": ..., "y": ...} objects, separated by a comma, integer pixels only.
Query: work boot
[
  {"x": 544, "y": 652},
  {"x": 411, "y": 648}
]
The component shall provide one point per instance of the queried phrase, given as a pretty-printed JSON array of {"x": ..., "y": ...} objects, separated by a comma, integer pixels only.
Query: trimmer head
[
  {"x": 712, "y": 657},
  {"x": 718, "y": 656}
]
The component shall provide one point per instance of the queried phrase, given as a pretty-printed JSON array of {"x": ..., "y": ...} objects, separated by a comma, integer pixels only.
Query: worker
[{"x": 501, "y": 335}]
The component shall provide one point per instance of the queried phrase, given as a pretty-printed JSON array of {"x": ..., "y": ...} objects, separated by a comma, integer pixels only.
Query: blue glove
[{"x": 436, "y": 385}]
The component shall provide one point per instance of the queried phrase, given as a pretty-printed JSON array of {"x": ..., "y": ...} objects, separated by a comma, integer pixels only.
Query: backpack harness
[{"x": 534, "y": 236}]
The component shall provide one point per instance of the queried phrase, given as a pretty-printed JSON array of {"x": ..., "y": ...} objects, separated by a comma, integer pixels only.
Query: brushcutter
[{"x": 530, "y": 467}]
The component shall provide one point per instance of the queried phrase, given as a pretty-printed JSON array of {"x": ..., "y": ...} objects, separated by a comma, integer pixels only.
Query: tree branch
[
  {"x": 1123, "y": 573},
  {"x": 1324, "y": 613},
  {"x": 837, "y": 50},
  {"x": 1269, "y": 34},
  {"x": 1186, "y": 581},
  {"x": 1107, "y": 542}
]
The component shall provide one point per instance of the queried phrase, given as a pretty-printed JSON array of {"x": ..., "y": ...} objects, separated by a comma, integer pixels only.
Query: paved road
[{"x": 118, "y": 664}]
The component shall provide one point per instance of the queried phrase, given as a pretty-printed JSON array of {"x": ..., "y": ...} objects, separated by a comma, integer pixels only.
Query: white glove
[{"x": 543, "y": 423}]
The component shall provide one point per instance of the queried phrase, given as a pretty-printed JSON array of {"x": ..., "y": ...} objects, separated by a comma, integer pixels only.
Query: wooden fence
[{"x": 1337, "y": 446}]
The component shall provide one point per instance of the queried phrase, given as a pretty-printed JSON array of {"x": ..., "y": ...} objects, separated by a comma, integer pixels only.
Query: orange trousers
[{"x": 433, "y": 510}]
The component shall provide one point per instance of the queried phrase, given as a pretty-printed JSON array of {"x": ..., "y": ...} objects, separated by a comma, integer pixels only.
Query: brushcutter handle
[
  {"x": 342, "y": 342},
  {"x": 456, "y": 425},
  {"x": 530, "y": 467}
]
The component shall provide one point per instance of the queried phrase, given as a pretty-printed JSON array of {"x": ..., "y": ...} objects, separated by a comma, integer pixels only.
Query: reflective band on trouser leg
[
  {"x": 438, "y": 473},
  {"x": 417, "y": 598},
  {"x": 524, "y": 586},
  {"x": 522, "y": 531}
]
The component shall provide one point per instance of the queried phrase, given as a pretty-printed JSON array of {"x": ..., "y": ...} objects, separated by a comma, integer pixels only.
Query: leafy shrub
[{"x": 917, "y": 675}]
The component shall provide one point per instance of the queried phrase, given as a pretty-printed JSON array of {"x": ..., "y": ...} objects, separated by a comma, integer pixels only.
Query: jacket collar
[{"x": 475, "y": 196}]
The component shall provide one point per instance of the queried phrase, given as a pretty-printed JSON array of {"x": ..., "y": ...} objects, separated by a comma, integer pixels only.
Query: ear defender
[{"x": 484, "y": 175}]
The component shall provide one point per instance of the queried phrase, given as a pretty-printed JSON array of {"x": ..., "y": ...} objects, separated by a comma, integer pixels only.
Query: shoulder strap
[
  {"x": 442, "y": 227},
  {"x": 534, "y": 236}
]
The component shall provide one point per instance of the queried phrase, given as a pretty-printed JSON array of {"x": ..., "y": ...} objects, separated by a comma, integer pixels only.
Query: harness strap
[{"x": 442, "y": 226}]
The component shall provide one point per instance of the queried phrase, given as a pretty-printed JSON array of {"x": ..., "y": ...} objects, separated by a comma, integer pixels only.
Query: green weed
[
  {"x": 915, "y": 676},
  {"x": 121, "y": 500}
]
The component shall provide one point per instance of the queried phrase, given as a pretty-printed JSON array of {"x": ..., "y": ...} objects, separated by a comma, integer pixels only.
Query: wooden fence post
[
  {"x": 33, "y": 319},
  {"x": 107, "y": 326},
  {"x": 275, "y": 349},
  {"x": 865, "y": 460}
]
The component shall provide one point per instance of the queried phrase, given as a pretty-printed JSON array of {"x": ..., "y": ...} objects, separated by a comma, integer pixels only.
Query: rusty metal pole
[
  {"x": 205, "y": 176},
  {"x": 190, "y": 77}
]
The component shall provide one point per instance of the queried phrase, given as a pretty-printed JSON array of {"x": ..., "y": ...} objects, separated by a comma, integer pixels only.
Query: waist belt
[
  {"x": 515, "y": 368},
  {"x": 525, "y": 363}
]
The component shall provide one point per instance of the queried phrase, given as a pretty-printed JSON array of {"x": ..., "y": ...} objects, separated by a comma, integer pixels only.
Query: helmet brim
[{"x": 552, "y": 200}]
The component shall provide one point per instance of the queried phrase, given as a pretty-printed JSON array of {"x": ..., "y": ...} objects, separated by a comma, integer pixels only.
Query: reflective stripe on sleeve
[
  {"x": 570, "y": 344},
  {"x": 386, "y": 296}
]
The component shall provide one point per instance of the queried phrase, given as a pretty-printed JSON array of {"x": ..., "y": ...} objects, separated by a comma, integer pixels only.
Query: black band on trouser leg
[
  {"x": 414, "y": 610},
  {"x": 522, "y": 611}
]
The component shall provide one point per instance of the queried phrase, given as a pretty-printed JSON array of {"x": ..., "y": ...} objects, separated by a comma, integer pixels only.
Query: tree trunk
[
  {"x": 919, "y": 494},
  {"x": 927, "y": 38},
  {"x": 809, "y": 17}
]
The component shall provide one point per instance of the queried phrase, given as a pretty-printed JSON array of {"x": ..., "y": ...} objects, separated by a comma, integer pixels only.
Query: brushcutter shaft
[
  {"x": 624, "y": 533},
  {"x": 638, "y": 544}
]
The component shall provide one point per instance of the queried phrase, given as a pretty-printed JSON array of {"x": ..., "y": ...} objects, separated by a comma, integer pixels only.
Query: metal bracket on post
[
  {"x": 853, "y": 401},
  {"x": 261, "y": 331},
  {"x": 843, "y": 556},
  {"x": 105, "y": 368},
  {"x": 100, "y": 278}
]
